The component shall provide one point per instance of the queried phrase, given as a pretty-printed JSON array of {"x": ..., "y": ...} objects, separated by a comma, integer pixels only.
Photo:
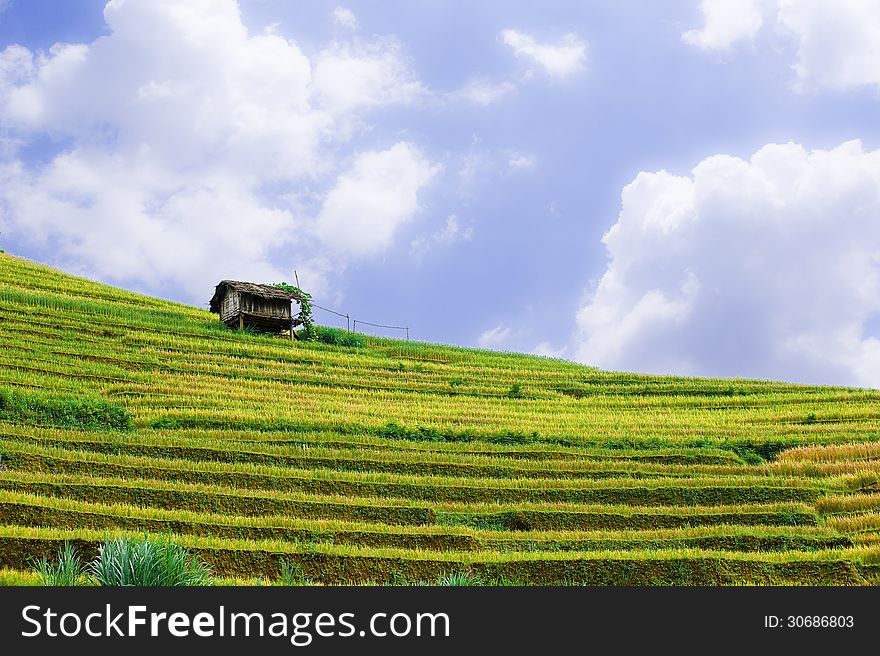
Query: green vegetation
[
  {"x": 305, "y": 310},
  {"x": 43, "y": 409},
  {"x": 16, "y": 577},
  {"x": 140, "y": 441},
  {"x": 67, "y": 569},
  {"x": 456, "y": 579},
  {"x": 339, "y": 337},
  {"x": 147, "y": 562},
  {"x": 292, "y": 575}
]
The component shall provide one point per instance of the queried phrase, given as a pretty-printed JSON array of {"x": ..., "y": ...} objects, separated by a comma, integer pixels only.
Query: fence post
[
  {"x": 407, "y": 333},
  {"x": 348, "y": 323},
  {"x": 354, "y": 326}
]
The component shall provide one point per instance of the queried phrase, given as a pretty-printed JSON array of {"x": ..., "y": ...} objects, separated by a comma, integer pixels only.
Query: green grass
[
  {"x": 14, "y": 577},
  {"x": 147, "y": 562},
  {"x": 125, "y": 561},
  {"x": 471, "y": 529},
  {"x": 338, "y": 337},
  {"x": 292, "y": 575},
  {"x": 66, "y": 570},
  {"x": 662, "y": 490},
  {"x": 370, "y": 460},
  {"x": 339, "y": 564},
  {"x": 215, "y": 498},
  {"x": 83, "y": 413}
]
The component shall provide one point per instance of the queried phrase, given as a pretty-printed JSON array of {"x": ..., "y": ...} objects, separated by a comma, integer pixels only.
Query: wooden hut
[{"x": 263, "y": 308}]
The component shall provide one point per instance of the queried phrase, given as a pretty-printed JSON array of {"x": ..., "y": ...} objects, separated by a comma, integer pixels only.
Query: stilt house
[{"x": 262, "y": 308}]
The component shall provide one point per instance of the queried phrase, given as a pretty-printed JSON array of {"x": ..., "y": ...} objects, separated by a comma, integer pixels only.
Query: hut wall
[
  {"x": 231, "y": 306},
  {"x": 265, "y": 307}
]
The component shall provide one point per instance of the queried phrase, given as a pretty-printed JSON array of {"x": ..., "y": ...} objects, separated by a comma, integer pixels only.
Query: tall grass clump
[
  {"x": 148, "y": 562},
  {"x": 85, "y": 413},
  {"x": 67, "y": 569},
  {"x": 292, "y": 575},
  {"x": 460, "y": 579},
  {"x": 338, "y": 337}
]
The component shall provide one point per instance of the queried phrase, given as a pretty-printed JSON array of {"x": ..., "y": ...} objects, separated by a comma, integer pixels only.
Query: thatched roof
[{"x": 261, "y": 291}]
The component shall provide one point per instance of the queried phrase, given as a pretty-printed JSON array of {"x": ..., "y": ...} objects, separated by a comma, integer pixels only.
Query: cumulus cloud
[
  {"x": 559, "y": 59},
  {"x": 762, "y": 268},
  {"x": 451, "y": 232},
  {"x": 92, "y": 209},
  {"x": 345, "y": 17},
  {"x": 494, "y": 337},
  {"x": 838, "y": 42},
  {"x": 182, "y": 139},
  {"x": 373, "y": 199},
  {"x": 725, "y": 23}
]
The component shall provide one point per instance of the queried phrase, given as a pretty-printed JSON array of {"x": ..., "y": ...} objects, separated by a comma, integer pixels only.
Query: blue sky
[{"x": 454, "y": 167}]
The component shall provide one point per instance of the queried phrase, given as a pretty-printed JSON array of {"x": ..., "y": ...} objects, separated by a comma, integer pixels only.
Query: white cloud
[
  {"x": 560, "y": 60},
  {"x": 546, "y": 350},
  {"x": 761, "y": 268},
  {"x": 202, "y": 232},
  {"x": 484, "y": 92},
  {"x": 345, "y": 17},
  {"x": 185, "y": 137},
  {"x": 314, "y": 274},
  {"x": 838, "y": 42},
  {"x": 725, "y": 23},
  {"x": 373, "y": 199},
  {"x": 494, "y": 337},
  {"x": 451, "y": 232},
  {"x": 348, "y": 76},
  {"x": 521, "y": 161},
  {"x": 16, "y": 67},
  {"x": 471, "y": 165}
]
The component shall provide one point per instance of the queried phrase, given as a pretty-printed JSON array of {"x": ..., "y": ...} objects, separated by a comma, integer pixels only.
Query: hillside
[{"x": 403, "y": 461}]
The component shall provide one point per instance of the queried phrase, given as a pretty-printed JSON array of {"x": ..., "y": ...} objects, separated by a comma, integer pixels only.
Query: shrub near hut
[{"x": 339, "y": 337}]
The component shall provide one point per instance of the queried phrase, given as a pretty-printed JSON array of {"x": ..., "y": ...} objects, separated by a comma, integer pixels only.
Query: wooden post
[{"x": 241, "y": 321}]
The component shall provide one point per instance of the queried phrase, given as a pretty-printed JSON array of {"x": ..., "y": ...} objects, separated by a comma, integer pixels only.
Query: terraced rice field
[{"x": 404, "y": 461}]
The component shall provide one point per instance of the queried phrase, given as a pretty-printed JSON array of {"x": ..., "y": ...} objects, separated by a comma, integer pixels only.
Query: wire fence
[
  {"x": 351, "y": 324},
  {"x": 338, "y": 314},
  {"x": 379, "y": 325}
]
